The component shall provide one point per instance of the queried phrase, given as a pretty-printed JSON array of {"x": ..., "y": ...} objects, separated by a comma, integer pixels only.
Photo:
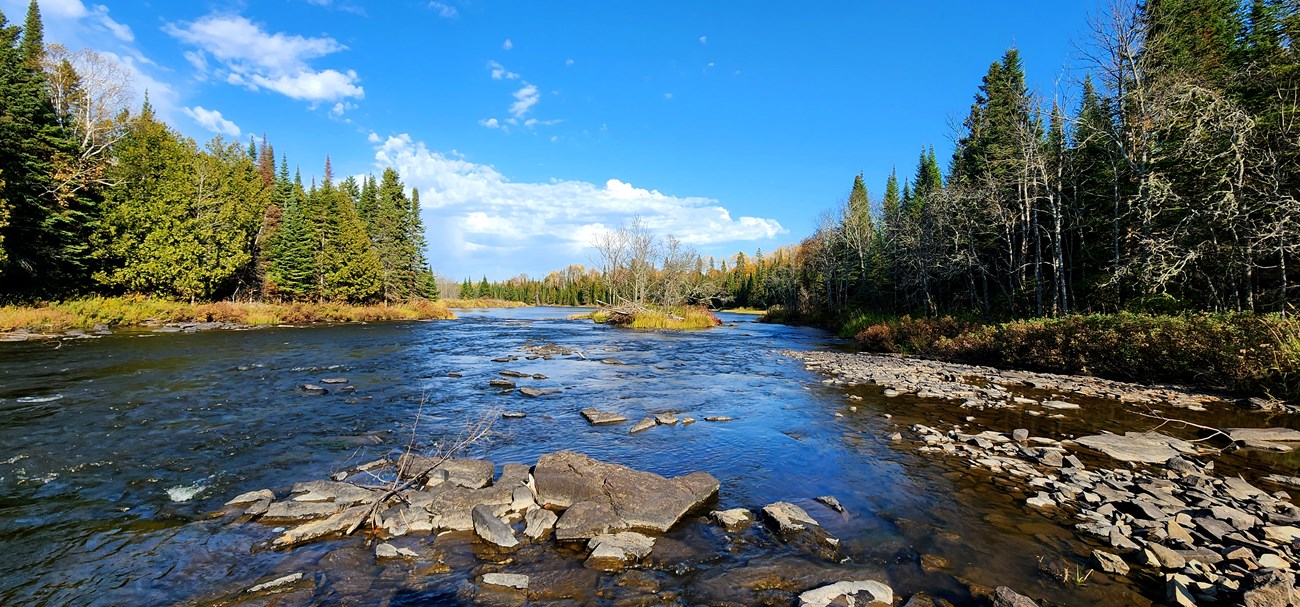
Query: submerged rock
[
  {"x": 600, "y": 418},
  {"x": 506, "y": 580},
  {"x": 848, "y": 594},
  {"x": 797, "y": 528},
  {"x": 734, "y": 519},
  {"x": 1006, "y": 597},
  {"x": 613, "y": 551},
  {"x": 643, "y": 425}
]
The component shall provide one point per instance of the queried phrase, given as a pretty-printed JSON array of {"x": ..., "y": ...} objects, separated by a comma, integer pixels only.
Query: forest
[
  {"x": 100, "y": 198},
  {"x": 1168, "y": 185}
]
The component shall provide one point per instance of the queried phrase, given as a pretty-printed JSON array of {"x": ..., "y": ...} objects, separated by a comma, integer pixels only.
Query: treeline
[
  {"x": 97, "y": 199},
  {"x": 1170, "y": 186}
]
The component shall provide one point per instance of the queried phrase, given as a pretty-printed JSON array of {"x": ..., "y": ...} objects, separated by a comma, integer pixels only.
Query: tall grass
[
  {"x": 673, "y": 318},
  {"x": 137, "y": 310},
  {"x": 483, "y": 302}
]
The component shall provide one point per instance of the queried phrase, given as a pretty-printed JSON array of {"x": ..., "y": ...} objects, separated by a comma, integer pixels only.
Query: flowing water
[{"x": 117, "y": 453}]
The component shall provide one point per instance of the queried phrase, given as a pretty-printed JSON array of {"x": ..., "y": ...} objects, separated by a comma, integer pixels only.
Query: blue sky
[{"x": 531, "y": 126}]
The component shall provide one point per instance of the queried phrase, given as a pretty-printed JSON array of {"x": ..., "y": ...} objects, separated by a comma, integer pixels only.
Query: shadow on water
[{"x": 105, "y": 492}]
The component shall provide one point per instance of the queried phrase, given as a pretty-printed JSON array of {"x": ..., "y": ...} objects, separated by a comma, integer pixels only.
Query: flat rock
[
  {"x": 643, "y": 425},
  {"x": 536, "y": 392},
  {"x": 1006, "y": 597},
  {"x": 337, "y": 523},
  {"x": 613, "y": 550},
  {"x": 830, "y": 502},
  {"x": 1059, "y": 405},
  {"x": 313, "y": 390},
  {"x": 539, "y": 522},
  {"x": 509, "y": 373},
  {"x": 1110, "y": 563},
  {"x": 514, "y": 415},
  {"x": 788, "y": 517},
  {"x": 1270, "y": 588},
  {"x": 251, "y": 497},
  {"x": 1141, "y": 447},
  {"x": 588, "y": 519},
  {"x": 501, "y": 383},
  {"x": 279, "y": 584},
  {"x": 733, "y": 519},
  {"x": 600, "y": 418},
  {"x": 1273, "y": 435},
  {"x": 717, "y": 418},
  {"x": 666, "y": 419},
  {"x": 492, "y": 529},
  {"x": 643, "y": 500},
  {"x": 506, "y": 580},
  {"x": 468, "y": 473},
  {"x": 849, "y": 593},
  {"x": 1281, "y": 534},
  {"x": 343, "y": 494},
  {"x": 298, "y": 511},
  {"x": 334, "y": 380}
]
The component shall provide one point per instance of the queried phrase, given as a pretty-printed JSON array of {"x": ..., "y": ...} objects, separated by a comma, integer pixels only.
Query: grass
[
  {"x": 1252, "y": 353},
  {"x": 672, "y": 318},
  {"x": 483, "y": 302},
  {"x": 753, "y": 311},
  {"x": 138, "y": 310}
]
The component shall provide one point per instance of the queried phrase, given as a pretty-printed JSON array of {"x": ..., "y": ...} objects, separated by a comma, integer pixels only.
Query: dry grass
[
  {"x": 675, "y": 318},
  {"x": 135, "y": 310},
  {"x": 483, "y": 302}
]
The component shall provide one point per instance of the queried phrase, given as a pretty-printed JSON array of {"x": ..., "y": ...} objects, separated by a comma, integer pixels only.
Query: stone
[
  {"x": 510, "y": 373},
  {"x": 492, "y": 529},
  {"x": 386, "y": 550},
  {"x": 298, "y": 511},
  {"x": 1165, "y": 557},
  {"x": 1110, "y": 563},
  {"x": 830, "y": 502},
  {"x": 506, "y": 580},
  {"x": 536, "y": 392},
  {"x": 501, "y": 383},
  {"x": 788, "y": 517},
  {"x": 612, "y": 551},
  {"x": 1238, "y": 489},
  {"x": 1006, "y": 597},
  {"x": 1041, "y": 500},
  {"x": 600, "y": 418},
  {"x": 343, "y": 494},
  {"x": 717, "y": 418},
  {"x": 666, "y": 419},
  {"x": 251, "y": 497},
  {"x": 312, "y": 390},
  {"x": 468, "y": 473},
  {"x": 1281, "y": 534},
  {"x": 643, "y": 500},
  {"x": 1270, "y": 588},
  {"x": 334, "y": 380},
  {"x": 338, "y": 523},
  {"x": 849, "y": 593},
  {"x": 1273, "y": 561},
  {"x": 514, "y": 415},
  {"x": 1020, "y": 435},
  {"x": 733, "y": 519},
  {"x": 1177, "y": 533},
  {"x": 1177, "y": 592},
  {"x": 279, "y": 584},
  {"x": 1060, "y": 405},
  {"x": 1273, "y": 435},
  {"x": 521, "y": 499},
  {"x": 1140, "y": 447},
  {"x": 539, "y": 522},
  {"x": 1215, "y": 528},
  {"x": 585, "y": 520},
  {"x": 643, "y": 425}
]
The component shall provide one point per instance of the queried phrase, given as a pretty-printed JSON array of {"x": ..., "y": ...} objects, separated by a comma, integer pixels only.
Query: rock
[
  {"x": 1177, "y": 592},
  {"x": 1110, "y": 563},
  {"x": 509, "y": 373},
  {"x": 1281, "y": 534},
  {"x": 717, "y": 418},
  {"x": 455, "y": 374},
  {"x": 312, "y": 390},
  {"x": 506, "y": 580},
  {"x": 334, "y": 380},
  {"x": 501, "y": 383},
  {"x": 1270, "y": 588},
  {"x": 492, "y": 529},
  {"x": 830, "y": 502},
  {"x": 514, "y": 415},
  {"x": 643, "y": 500},
  {"x": 734, "y": 519},
  {"x": 799, "y": 529},
  {"x": 389, "y": 551},
  {"x": 1059, "y": 405},
  {"x": 896, "y": 437},
  {"x": 643, "y": 425},
  {"x": 585, "y": 520},
  {"x": 298, "y": 511},
  {"x": 612, "y": 361},
  {"x": 1177, "y": 533},
  {"x": 279, "y": 584},
  {"x": 501, "y": 359},
  {"x": 1006, "y": 597},
  {"x": 1274, "y": 435},
  {"x": 337, "y": 523},
  {"x": 1041, "y": 500},
  {"x": 599, "y": 418},
  {"x": 1141, "y": 447},
  {"x": 468, "y": 473},
  {"x": 540, "y": 522},
  {"x": 1020, "y": 435},
  {"x": 1238, "y": 489},
  {"x": 666, "y": 419},
  {"x": 1165, "y": 557},
  {"x": 788, "y": 517},
  {"x": 1273, "y": 561},
  {"x": 1181, "y": 466},
  {"x": 686, "y": 421},
  {"x": 343, "y": 494},
  {"x": 252, "y": 497},
  {"x": 612, "y": 551},
  {"x": 850, "y": 594},
  {"x": 536, "y": 392}
]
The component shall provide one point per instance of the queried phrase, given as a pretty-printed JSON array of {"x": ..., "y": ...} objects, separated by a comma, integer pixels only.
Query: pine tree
[{"x": 33, "y": 44}]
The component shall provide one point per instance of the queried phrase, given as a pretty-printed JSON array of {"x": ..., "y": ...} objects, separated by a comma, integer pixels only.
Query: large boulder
[{"x": 639, "y": 500}]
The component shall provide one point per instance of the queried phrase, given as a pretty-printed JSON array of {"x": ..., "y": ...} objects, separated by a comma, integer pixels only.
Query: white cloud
[
  {"x": 491, "y": 123},
  {"x": 473, "y": 206},
  {"x": 704, "y": 39},
  {"x": 525, "y": 98},
  {"x": 119, "y": 31},
  {"x": 212, "y": 120},
  {"x": 668, "y": 96},
  {"x": 443, "y": 9},
  {"x": 256, "y": 59},
  {"x": 341, "y": 108},
  {"x": 499, "y": 72},
  {"x": 507, "y": 45},
  {"x": 568, "y": 62}
]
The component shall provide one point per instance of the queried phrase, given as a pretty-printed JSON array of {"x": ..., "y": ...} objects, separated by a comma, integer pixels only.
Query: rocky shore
[{"x": 1158, "y": 507}]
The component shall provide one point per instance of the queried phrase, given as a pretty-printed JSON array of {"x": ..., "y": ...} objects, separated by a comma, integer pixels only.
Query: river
[{"x": 116, "y": 452}]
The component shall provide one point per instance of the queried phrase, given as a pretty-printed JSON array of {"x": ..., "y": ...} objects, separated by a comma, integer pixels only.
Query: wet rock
[
  {"x": 514, "y": 415},
  {"x": 312, "y": 390},
  {"x": 1006, "y": 597},
  {"x": 509, "y": 373},
  {"x": 492, "y": 529},
  {"x": 931, "y": 563},
  {"x": 468, "y": 473},
  {"x": 280, "y": 584},
  {"x": 334, "y": 380},
  {"x": 501, "y": 383},
  {"x": 1110, "y": 563},
  {"x": 643, "y": 425},
  {"x": 298, "y": 511},
  {"x": 455, "y": 374},
  {"x": 1059, "y": 405},
  {"x": 343, "y": 494},
  {"x": 643, "y": 500},
  {"x": 733, "y": 519},
  {"x": 686, "y": 421},
  {"x": 539, "y": 523},
  {"x": 536, "y": 392},
  {"x": 830, "y": 502},
  {"x": 338, "y": 523},
  {"x": 506, "y": 580},
  {"x": 1141, "y": 447},
  {"x": 850, "y": 594},
  {"x": 612, "y": 551},
  {"x": 251, "y": 497},
  {"x": 666, "y": 419},
  {"x": 502, "y": 359},
  {"x": 587, "y": 519},
  {"x": 800, "y": 530},
  {"x": 386, "y": 550},
  {"x": 788, "y": 517},
  {"x": 717, "y": 418},
  {"x": 600, "y": 418},
  {"x": 612, "y": 361}
]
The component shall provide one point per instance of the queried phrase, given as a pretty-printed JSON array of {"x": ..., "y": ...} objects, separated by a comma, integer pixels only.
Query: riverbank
[
  {"x": 106, "y": 313},
  {"x": 1151, "y": 505},
  {"x": 1254, "y": 354},
  {"x": 482, "y": 303}
]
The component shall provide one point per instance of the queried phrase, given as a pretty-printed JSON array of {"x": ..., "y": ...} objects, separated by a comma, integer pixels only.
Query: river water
[{"x": 117, "y": 453}]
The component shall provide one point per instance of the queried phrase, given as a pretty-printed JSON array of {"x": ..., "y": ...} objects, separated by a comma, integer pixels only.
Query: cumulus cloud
[
  {"x": 212, "y": 120},
  {"x": 704, "y": 39},
  {"x": 499, "y": 72},
  {"x": 568, "y": 62},
  {"x": 525, "y": 98},
  {"x": 96, "y": 17},
  {"x": 507, "y": 45},
  {"x": 254, "y": 58},
  {"x": 491, "y": 123},
  {"x": 480, "y": 218},
  {"x": 444, "y": 10}
]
